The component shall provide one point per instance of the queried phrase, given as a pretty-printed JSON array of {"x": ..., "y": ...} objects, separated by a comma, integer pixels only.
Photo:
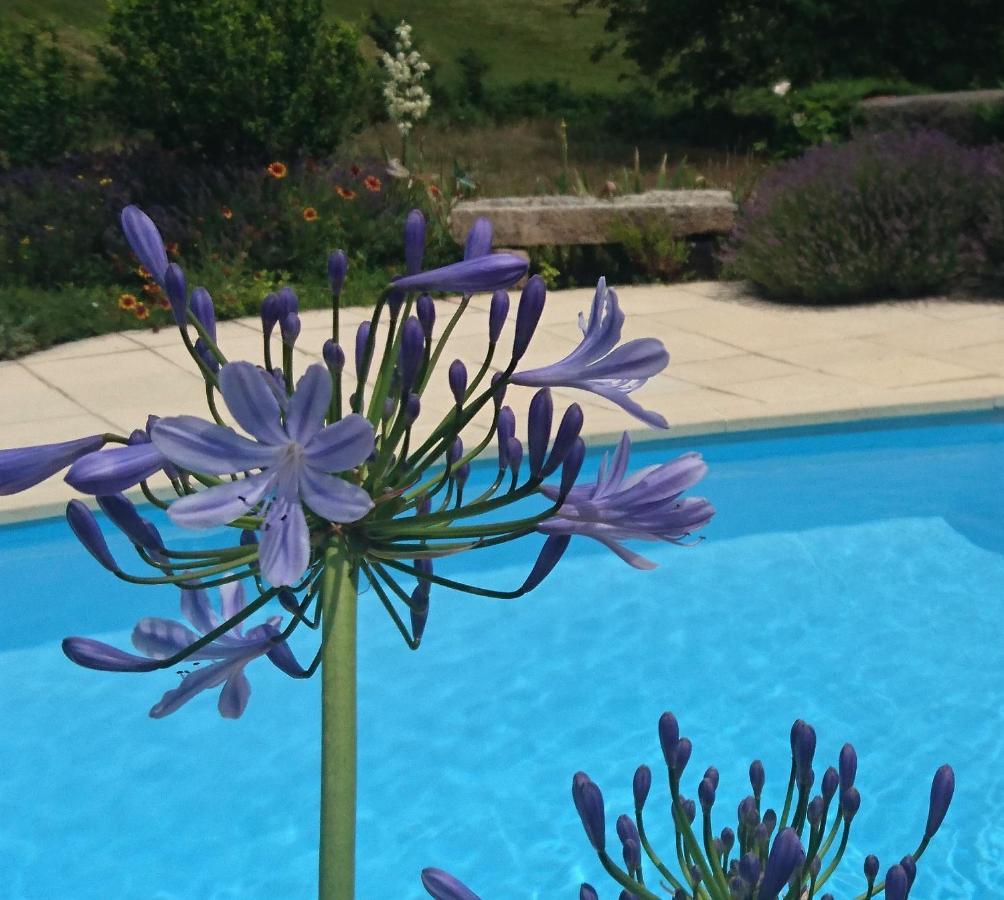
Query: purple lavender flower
[
  {"x": 443, "y": 886},
  {"x": 160, "y": 639},
  {"x": 470, "y": 276},
  {"x": 24, "y": 467},
  {"x": 645, "y": 506},
  {"x": 295, "y": 458},
  {"x": 600, "y": 366}
]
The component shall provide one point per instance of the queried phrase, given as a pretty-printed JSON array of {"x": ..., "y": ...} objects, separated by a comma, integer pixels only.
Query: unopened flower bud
[
  {"x": 177, "y": 293},
  {"x": 455, "y": 452},
  {"x": 531, "y": 305},
  {"x": 669, "y": 737},
  {"x": 589, "y": 805},
  {"x": 711, "y": 773},
  {"x": 850, "y": 803},
  {"x": 271, "y": 310},
  {"x": 785, "y": 854},
  {"x": 334, "y": 356},
  {"x": 362, "y": 339},
  {"x": 848, "y": 766},
  {"x": 757, "y": 777},
  {"x": 728, "y": 838},
  {"x": 896, "y": 884},
  {"x": 682, "y": 757},
  {"x": 910, "y": 867},
  {"x": 831, "y": 781},
  {"x": 88, "y": 532},
  {"x": 749, "y": 868},
  {"x": 871, "y": 868},
  {"x": 942, "y": 789},
  {"x": 425, "y": 309},
  {"x": 747, "y": 813},
  {"x": 505, "y": 429},
  {"x": 706, "y": 794},
  {"x": 588, "y": 892},
  {"x": 411, "y": 352},
  {"x": 803, "y": 748},
  {"x": 539, "y": 429},
  {"x": 514, "y": 454},
  {"x": 457, "y": 377},
  {"x": 414, "y": 241},
  {"x": 289, "y": 327},
  {"x": 412, "y": 408},
  {"x": 689, "y": 810},
  {"x": 288, "y": 302},
  {"x": 338, "y": 267},
  {"x": 479, "y": 239},
  {"x": 497, "y": 313},
  {"x": 641, "y": 785},
  {"x": 814, "y": 812}
]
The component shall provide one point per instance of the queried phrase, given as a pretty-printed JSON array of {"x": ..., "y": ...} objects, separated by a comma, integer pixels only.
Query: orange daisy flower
[
  {"x": 143, "y": 272},
  {"x": 345, "y": 193},
  {"x": 151, "y": 288},
  {"x": 164, "y": 303},
  {"x": 309, "y": 214},
  {"x": 433, "y": 191},
  {"x": 277, "y": 170},
  {"x": 372, "y": 183},
  {"x": 127, "y": 301},
  {"x": 226, "y": 212},
  {"x": 171, "y": 247},
  {"x": 142, "y": 312}
]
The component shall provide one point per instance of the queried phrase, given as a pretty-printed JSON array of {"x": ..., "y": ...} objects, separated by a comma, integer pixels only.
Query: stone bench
[
  {"x": 956, "y": 113},
  {"x": 565, "y": 220}
]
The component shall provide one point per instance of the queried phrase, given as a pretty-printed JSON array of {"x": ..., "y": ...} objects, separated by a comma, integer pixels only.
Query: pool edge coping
[{"x": 714, "y": 428}]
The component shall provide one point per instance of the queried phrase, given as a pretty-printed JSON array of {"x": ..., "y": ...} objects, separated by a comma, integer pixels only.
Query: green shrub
[
  {"x": 234, "y": 78},
  {"x": 43, "y": 104},
  {"x": 888, "y": 215}
]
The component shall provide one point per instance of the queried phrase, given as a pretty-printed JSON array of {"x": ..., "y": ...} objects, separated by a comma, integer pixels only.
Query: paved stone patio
[{"x": 735, "y": 364}]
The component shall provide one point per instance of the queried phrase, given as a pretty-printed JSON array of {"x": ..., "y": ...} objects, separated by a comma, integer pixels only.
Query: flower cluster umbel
[
  {"x": 313, "y": 466},
  {"x": 765, "y": 857},
  {"x": 407, "y": 100}
]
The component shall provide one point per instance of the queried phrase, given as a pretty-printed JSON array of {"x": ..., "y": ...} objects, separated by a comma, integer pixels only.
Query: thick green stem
[{"x": 338, "y": 727}]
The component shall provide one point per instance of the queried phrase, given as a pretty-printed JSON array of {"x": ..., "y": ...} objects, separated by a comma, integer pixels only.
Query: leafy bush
[
  {"x": 713, "y": 49},
  {"x": 888, "y": 215},
  {"x": 225, "y": 78},
  {"x": 43, "y": 107},
  {"x": 60, "y": 226}
]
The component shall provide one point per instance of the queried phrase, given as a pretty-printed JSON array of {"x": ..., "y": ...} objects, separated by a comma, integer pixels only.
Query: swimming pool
[{"x": 853, "y": 577}]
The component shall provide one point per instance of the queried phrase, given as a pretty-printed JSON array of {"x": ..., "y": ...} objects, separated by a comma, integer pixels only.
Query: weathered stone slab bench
[
  {"x": 549, "y": 220},
  {"x": 957, "y": 113}
]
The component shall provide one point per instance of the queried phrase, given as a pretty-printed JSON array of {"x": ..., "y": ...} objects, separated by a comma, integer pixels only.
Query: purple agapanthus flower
[
  {"x": 645, "y": 506},
  {"x": 24, "y": 467},
  {"x": 600, "y": 366},
  {"x": 296, "y": 459},
  {"x": 160, "y": 639},
  {"x": 113, "y": 470},
  {"x": 489, "y": 272}
]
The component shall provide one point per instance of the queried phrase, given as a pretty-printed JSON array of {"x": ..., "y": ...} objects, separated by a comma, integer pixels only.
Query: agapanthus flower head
[
  {"x": 600, "y": 366},
  {"x": 228, "y": 655},
  {"x": 645, "y": 506},
  {"x": 296, "y": 458}
]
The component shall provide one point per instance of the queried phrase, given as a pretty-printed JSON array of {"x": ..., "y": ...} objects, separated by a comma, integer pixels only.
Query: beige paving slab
[
  {"x": 938, "y": 336},
  {"x": 732, "y": 370},
  {"x": 96, "y": 346},
  {"x": 28, "y": 398},
  {"x": 898, "y": 370},
  {"x": 796, "y": 389},
  {"x": 749, "y": 328},
  {"x": 987, "y": 358}
]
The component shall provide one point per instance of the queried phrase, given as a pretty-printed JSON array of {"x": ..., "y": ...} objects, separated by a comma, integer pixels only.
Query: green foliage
[
  {"x": 653, "y": 250},
  {"x": 714, "y": 49},
  {"x": 43, "y": 106},
  {"x": 234, "y": 78}
]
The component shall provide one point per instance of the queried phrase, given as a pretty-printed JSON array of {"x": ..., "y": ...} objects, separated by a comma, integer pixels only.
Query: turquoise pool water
[{"x": 853, "y": 577}]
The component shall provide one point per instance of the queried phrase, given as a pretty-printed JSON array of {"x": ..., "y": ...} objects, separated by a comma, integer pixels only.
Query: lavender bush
[
  {"x": 891, "y": 215},
  {"x": 767, "y": 855}
]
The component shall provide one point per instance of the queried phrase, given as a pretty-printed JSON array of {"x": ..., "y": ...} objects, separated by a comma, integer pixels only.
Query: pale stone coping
[{"x": 551, "y": 220}]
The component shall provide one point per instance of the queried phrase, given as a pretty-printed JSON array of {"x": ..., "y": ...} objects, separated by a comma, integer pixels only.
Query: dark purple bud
[
  {"x": 769, "y": 821},
  {"x": 443, "y": 886},
  {"x": 471, "y": 276},
  {"x": 248, "y": 538},
  {"x": 497, "y": 313},
  {"x": 395, "y": 297},
  {"x": 711, "y": 773},
  {"x": 461, "y": 475},
  {"x": 761, "y": 834},
  {"x": 288, "y": 302},
  {"x": 696, "y": 874},
  {"x": 203, "y": 310},
  {"x": 531, "y": 305},
  {"x": 177, "y": 292},
  {"x": 271, "y": 310},
  {"x": 455, "y": 452},
  {"x": 539, "y": 429},
  {"x": 848, "y": 766},
  {"x": 568, "y": 432},
  {"x": 683, "y": 750},
  {"x": 706, "y": 794},
  {"x": 831, "y": 781},
  {"x": 287, "y": 600},
  {"x": 88, "y": 532},
  {"x": 589, "y": 804},
  {"x": 641, "y": 785},
  {"x": 414, "y": 241},
  {"x": 626, "y": 829},
  {"x": 499, "y": 388},
  {"x": 425, "y": 309},
  {"x": 419, "y": 612},
  {"x": 514, "y": 454},
  {"x": 871, "y": 868},
  {"x": 757, "y": 778},
  {"x": 942, "y": 788},
  {"x": 338, "y": 266},
  {"x": 411, "y": 353},
  {"x": 123, "y": 514},
  {"x": 362, "y": 338},
  {"x": 680, "y": 894},
  {"x": 572, "y": 466},
  {"x": 479, "y": 239},
  {"x": 850, "y": 803},
  {"x": 289, "y": 327},
  {"x": 389, "y": 405},
  {"x": 728, "y": 838},
  {"x": 669, "y": 737},
  {"x": 785, "y": 854},
  {"x": 334, "y": 356},
  {"x": 803, "y": 748},
  {"x": 632, "y": 855},
  {"x": 749, "y": 868},
  {"x": 747, "y": 813},
  {"x": 910, "y": 867},
  {"x": 689, "y": 810},
  {"x": 588, "y": 892},
  {"x": 145, "y": 240},
  {"x": 896, "y": 884},
  {"x": 552, "y": 551},
  {"x": 505, "y": 429},
  {"x": 814, "y": 813},
  {"x": 424, "y": 506},
  {"x": 412, "y": 408},
  {"x": 627, "y": 895},
  {"x": 458, "y": 380},
  {"x": 24, "y": 467}
]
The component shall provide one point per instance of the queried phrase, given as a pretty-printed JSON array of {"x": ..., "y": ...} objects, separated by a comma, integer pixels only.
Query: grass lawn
[{"x": 520, "y": 39}]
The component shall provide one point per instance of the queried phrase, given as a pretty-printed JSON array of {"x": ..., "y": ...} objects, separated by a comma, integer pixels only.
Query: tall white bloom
[
  {"x": 781, "y": 88},
  {"x": 407, "y": 100}
]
